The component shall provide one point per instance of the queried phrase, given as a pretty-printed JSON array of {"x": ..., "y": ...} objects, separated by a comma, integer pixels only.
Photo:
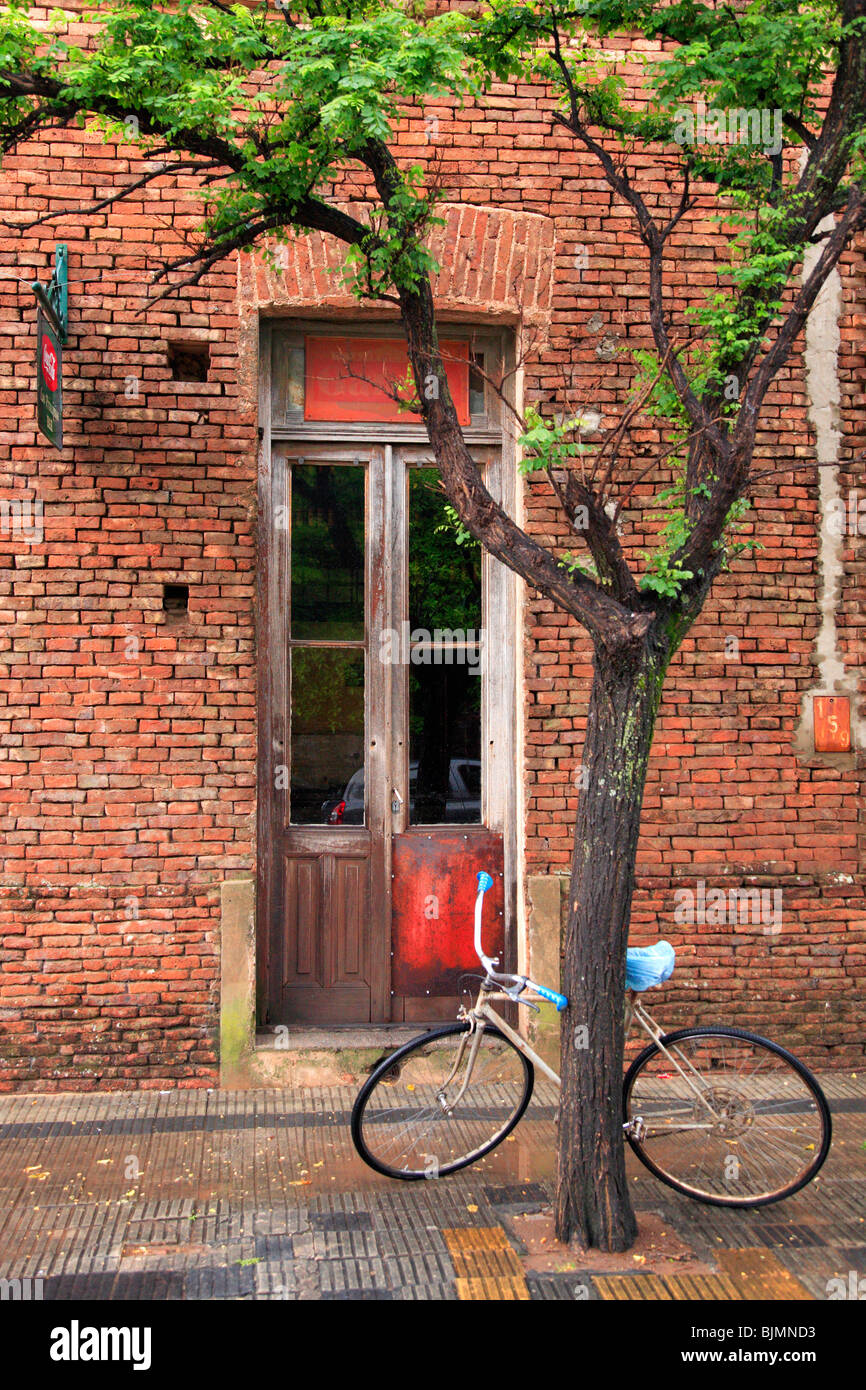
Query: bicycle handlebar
[
  {"x": 485, "y": 882},
  {"x": 551, "y": 995}
]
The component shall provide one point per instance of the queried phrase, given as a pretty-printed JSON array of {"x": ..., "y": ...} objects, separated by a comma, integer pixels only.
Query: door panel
[
  {"x": 303, "y": 904},
  {"x": 324, "y": 942},
  {"x": 434, "y": 908}
]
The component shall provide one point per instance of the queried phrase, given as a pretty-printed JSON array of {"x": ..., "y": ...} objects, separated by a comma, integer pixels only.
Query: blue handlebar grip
[
  {"x": 484, "y": 882},
  {"x": 558, "y": 999}
]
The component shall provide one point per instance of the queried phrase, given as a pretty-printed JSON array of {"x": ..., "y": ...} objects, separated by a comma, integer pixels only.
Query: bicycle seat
[{"x": 648, "y": 965}]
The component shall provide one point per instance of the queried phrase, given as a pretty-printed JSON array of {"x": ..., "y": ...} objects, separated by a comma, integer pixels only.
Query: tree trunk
[{"x": 592, "y": 1201}]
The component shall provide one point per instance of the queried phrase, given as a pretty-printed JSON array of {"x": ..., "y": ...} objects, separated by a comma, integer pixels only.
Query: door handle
[{"x": 396, "y": 800}]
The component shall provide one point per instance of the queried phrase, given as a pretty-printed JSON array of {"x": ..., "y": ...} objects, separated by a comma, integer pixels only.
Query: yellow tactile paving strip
[
  {"x": 681, "y": 1288},
  {"x": 760, "y": 1274},
  {"x": 631, "y": 1286},
  {"x": 485, "y": 1263},
  {"x": 487, "y": 1267},
  {"x": 492, "y": 1289},
  {"x": 695, "y": 1288},
  {"x": 746, "y": 1274}
]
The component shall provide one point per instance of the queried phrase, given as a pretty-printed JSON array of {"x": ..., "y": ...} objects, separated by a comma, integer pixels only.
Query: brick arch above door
[{"x": 496, "y": 264}]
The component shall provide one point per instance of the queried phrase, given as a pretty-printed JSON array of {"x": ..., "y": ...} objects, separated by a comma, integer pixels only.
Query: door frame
[{"x": 502, "y": 757}]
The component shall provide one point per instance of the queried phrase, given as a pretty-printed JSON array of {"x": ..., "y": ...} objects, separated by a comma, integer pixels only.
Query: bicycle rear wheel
[
  {"x": 728, "y": 1118},
  {"x": 423, "y": 1114}
]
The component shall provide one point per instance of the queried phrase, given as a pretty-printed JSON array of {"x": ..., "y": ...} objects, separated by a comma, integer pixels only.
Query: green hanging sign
[
  {"x": 51, "y": 331},
  {"x": 49, "y": 381}
]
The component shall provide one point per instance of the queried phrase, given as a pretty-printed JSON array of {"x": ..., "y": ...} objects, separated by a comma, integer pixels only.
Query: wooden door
[{"x": 324, "y": 775}]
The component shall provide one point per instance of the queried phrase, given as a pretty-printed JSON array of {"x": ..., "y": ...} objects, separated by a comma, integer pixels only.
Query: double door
[{"x": 384, "y": 761}]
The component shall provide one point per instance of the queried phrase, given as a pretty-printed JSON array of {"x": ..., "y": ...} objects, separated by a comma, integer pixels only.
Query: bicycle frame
[{"x": 482, "y": 1013}]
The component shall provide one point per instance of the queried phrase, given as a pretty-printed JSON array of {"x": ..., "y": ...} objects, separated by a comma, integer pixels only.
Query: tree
[{"x": 270, "y": 108}]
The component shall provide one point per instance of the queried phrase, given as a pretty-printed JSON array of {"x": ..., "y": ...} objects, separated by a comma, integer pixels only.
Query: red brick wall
[
  {"x": 128, "y": 775},
  {"x": 128, "y": 741}
]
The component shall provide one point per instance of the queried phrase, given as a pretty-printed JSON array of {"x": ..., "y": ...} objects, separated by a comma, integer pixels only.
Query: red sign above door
[{"x": 356, "y": 378}]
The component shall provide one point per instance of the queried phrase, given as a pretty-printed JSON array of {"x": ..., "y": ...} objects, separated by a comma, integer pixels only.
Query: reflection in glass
[
  {"x": 327, "y": 723},
  {"x": 445, "y": 661},
  {"x": 477, "y": 401},
  {"x": 445, "y": 743},
  {"x": 295, "y": 378},
  {"x": 444, "y": 576},
  {"x": 327, "y": 553}
]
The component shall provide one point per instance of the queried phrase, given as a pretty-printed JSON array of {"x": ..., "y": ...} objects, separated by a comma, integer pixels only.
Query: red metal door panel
[{"x": 434, "y": 891}]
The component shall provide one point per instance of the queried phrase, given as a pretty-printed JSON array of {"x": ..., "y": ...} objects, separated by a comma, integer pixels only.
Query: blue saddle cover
[{"x": 648, "y": 965}]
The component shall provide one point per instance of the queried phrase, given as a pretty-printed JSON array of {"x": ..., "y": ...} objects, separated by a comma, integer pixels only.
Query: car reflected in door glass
[{"x": 462, "y": 806}]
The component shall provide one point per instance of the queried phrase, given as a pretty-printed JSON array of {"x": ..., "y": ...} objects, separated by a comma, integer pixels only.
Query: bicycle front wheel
[
  {"x": 726, "y": 1117},
  {"x": 441, "y": 1102}
]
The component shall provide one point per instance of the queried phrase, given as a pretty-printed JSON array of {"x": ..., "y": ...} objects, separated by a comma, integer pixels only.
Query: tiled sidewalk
[{"x": 259, "y": 1194}]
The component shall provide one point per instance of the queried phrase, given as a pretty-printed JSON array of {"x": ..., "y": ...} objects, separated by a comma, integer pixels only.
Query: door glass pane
[
  {"x": 327, "y": 755},
  {"x": 327, "y": 553},
  {"x": 444, "y": 577},
  {"x": 444, "y": 653},
  {"x": 445, "y": 740},
  {"x": 477, "y": 398}
]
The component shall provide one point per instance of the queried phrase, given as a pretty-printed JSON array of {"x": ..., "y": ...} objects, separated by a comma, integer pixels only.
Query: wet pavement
[{"x": 260, "y": 1195}]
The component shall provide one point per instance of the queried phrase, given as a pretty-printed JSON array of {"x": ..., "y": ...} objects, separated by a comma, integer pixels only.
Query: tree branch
[
  {"x": 852, "y": 222},
  {"x": 611, "y": 624}
]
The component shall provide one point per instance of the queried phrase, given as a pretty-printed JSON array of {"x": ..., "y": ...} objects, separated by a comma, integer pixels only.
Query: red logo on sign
[{"x": 49, "y": 364}]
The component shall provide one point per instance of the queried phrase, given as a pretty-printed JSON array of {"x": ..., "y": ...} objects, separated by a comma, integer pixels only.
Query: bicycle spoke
[
  {"x": 429, "y": 1115},
  {"x": 739, "y": 1123}
]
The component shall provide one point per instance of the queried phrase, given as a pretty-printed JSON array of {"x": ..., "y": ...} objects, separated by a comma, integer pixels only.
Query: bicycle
[{"x": 724, "y": 1116}]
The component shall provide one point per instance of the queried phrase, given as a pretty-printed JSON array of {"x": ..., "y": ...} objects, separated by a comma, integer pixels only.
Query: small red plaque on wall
[
  {"x": 832, "y": 723},
  {"x": 355, "y": 379}
]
